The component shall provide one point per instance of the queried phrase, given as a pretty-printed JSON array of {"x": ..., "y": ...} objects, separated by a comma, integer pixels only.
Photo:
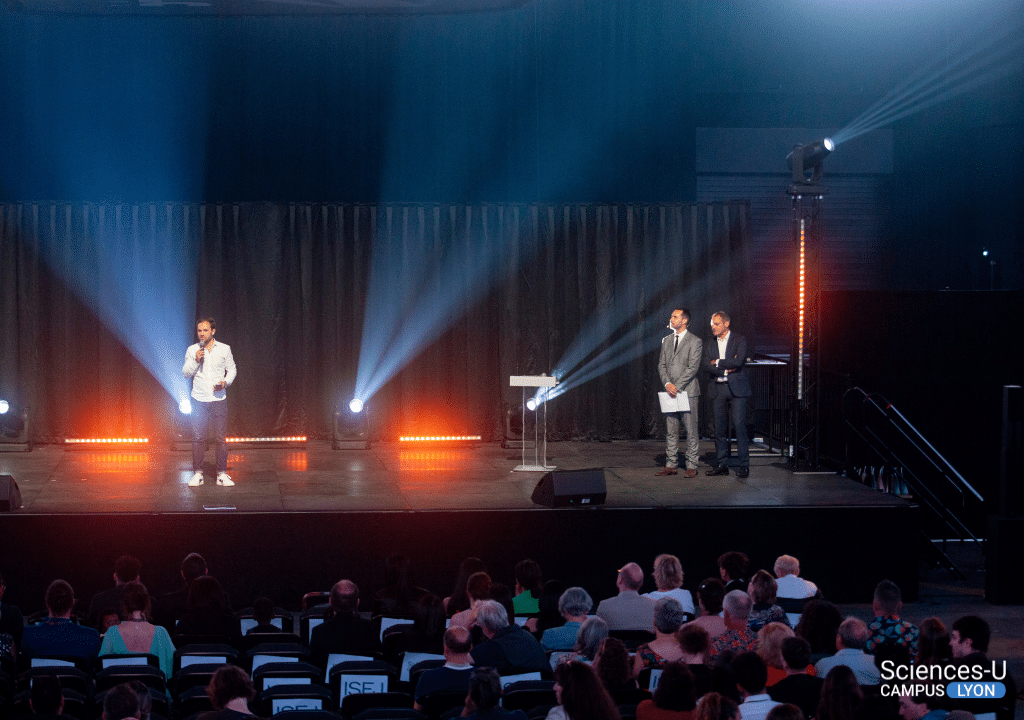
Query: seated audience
[
  {"x": 478, "y": 587},
  {"x": 135, "y": 633},
  {"x": 668, "y": 576},
  {"x": 508, "y": 648},
  {"x": 108, "y": 602},
  {"x": 969, "y": 639},
  {"x": 614, "y": 666},
  {"x": 121, "y": 702},
  {"x": 696, "y": 645},
  {"x": 399, "y": 596},
  {"x": 675, "y": 697},
  {"x": 170, "y": 607},
  {"x": 769, "y": 647},
  {"x": 263, "y": 614},
  {"x": 723, "y": 681},
  {"x": 46, "y": 700},
  {"x": 850, "y": 641},
  {"x": 818, "y": 625},
  {"x": 345, "y": 631},
  {"x": 714, "y": 706},
  {"x": 230, "y": 692},
  {"x": 761, "y": 589},
  {"x": 734, "y": 568},
  {"x": 574, "y": 604},
  {"x": 798, "y": 687},
  {"x": 887, "y": 627},
  {"x": 454, "y": 674},
  {"x": 459, "y": 599},
  {"x": 840, "y": 695},
  {"x": 145, "y": 698},
  {"x": 484, "y": 696},
  {"x": 922, "y": 706},
  {"x": 932, "y": 642},
  {"x": 12, "y": 622},
  {"x": 668, "y": 618},
  {"x": 528, "y": 588},
  {"x": 57, "y": 634},
  {"x": 580, "y": 695},
  {"x": 426, "y": 632},
  {"x": 628, "y": 610},
  {"x": 737, "y": 635},
  {"x": 792, "y": 590},
  {"x": 548, "y": 615},
  {"x": 207, "y": 614},
  {"x": 750, "y": 672},
  {"x": 710, "y": 595},
  {"x": 593, "y": 632}
]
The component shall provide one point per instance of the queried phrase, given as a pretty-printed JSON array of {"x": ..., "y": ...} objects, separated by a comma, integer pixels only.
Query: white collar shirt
[{"x": 218, "y": 366}]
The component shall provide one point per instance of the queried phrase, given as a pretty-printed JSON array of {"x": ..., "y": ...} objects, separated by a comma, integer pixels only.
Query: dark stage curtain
[{"x": 289, "y": 285}]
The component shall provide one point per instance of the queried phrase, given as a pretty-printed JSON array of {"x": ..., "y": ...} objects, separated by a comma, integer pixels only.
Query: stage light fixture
[
  {"x": 185, "y": 407},
  {"x": 13, "y": 428},
  {"x": 351, "y": 427},
  {"x": 440, "y": 439},
  {"x": 4, "y": 407},
  {"x": 356, "y": 405},
  {"x": 87, "y": 443},
  {"x": 805, "y": 161},
  {"x": 270, "y": 441},
  {"x": 531, "y": 404}
]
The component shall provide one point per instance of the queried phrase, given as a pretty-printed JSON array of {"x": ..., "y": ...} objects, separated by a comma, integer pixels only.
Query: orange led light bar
[
  {"x": 438, "y": 438},
  {"x": 290, "y": 438},
  {"x": 105, "y": 441}
]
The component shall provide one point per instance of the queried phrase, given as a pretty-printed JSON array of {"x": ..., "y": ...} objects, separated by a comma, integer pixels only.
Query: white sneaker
[
  {"x": 197, "y": 479},
  {"x": 224, "y": 479}
]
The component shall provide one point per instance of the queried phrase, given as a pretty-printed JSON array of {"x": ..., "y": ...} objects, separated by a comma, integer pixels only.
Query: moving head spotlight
[{"x": 808, "y": 159}]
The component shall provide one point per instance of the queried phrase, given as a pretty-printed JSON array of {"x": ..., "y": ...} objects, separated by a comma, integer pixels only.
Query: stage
[{"x": 300, "y": 518}]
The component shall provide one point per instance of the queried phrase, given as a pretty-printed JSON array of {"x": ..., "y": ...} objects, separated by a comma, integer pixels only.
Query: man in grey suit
[{"x": 678, "y": 366}]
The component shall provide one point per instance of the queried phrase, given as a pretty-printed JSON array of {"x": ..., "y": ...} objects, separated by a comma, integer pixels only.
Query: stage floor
[{"x": 386, "y": 477}]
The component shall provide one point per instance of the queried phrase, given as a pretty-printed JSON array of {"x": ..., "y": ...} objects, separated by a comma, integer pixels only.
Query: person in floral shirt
[
  {"x": 737, "y": 636},
  {"x": 887, "y": 628}
]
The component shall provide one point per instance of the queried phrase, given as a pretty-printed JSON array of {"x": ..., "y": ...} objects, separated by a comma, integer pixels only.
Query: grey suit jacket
[{"x": 680, "y": 367}]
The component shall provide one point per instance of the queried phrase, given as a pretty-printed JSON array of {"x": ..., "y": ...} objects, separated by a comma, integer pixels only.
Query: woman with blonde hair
[
  {"x": 769, "y": 648},
  {"x": 716, "y": 707},
  {"x": 668, "y": 576}
]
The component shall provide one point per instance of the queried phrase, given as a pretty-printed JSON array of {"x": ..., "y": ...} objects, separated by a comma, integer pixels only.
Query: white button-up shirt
[{"x": 218, "y": 366}]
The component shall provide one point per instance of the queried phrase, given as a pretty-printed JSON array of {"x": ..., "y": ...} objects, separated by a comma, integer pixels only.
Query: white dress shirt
[{"x": 218, "y": 366}]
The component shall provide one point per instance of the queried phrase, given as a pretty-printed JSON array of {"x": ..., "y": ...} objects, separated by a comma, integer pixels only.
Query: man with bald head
[
  {"x": 345, "y": 631},
  {"x": 628, "y": 610},
  {"x": 454, "y": 674}
]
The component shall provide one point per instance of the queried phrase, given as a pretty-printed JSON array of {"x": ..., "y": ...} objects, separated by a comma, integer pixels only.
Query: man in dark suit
[
  {"x": 724, "y": 358},
  {"x": 346, "y": 632},
  {"x": 678, "y": 366}
]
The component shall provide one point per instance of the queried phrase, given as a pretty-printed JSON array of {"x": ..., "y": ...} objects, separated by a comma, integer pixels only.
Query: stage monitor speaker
[
  {"x": 10, "y": 495},
  {"x": 571, "y": 488}
]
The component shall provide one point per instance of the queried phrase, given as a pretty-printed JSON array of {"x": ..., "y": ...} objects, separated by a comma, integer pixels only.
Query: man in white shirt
[
  {"x": 850, "y": 641},
  {"x": 793, "y": 591},
  {"x": 212, "y": 368}
]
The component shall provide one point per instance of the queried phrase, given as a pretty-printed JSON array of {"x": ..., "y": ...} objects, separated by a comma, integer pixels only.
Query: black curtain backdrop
[{"x": 288, "y": 284}]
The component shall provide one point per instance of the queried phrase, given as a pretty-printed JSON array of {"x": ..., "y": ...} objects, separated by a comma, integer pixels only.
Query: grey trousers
[{"x": 692, "y": 438}]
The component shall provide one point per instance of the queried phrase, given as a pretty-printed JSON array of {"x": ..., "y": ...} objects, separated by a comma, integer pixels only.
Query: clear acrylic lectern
[{"x": 540, "y": 437}]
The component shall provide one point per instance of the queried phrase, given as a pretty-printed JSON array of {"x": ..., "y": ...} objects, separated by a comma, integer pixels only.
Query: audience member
[
  {"x": 769, "y": 647},
  {"x": 798, "y": 687},
  {"x": 502, "y": 594},
  {"x": 668, "y": 618},
  {"x": 345, "y": 631},
  {"x": 108, "y": 602},
  {"x": 850, "y": 641},
  {"x": 135, "y": 633},
  {"x": 840, "y": 695},
  {"x": 145, "y": 696},
  {"x": 207, "y": 615},
  {"x": 549, "y": 615},
  {"x": 263, "y": 614},
  {"x": 818, "y": 625},
  {"x": 230, "y": 692},
  {"x": 12, "y": 622},
  {"x": 733, "y": 567},
  {"x": 399, "y": 596},
  {"x": 710, "y": 595},
  {"x": 57, "y": 634},
  {"x": 169, "y": 607},
  {"x": 508, "y": 648},
  {"x": 46, "y": 699},
  {"x": 737, "y": 635},
  {"x": 528, "y": 588},
  {"x": 887, "y": 627},
  {"x": 750, "y": 672},
  {"x": 675, "y": 697},
  {"x": 459, "y": 599},
  {"x": 668, "y": 576},
  {"x": 696, "y": 645},
  {"x": 484, "y": 696},
  {"x": 723, "y": 681},
  {"x": 969, "y": 639},
  {"x": 121, "y": 702},
  {"x": 593, "y": 632},
  {"x": 714, "y": 706},
  {"x": 761, "y": 589},
  {"x": 478, "y": 587},
  {"x": 426, "y": 632},
  {"x": 922, "y": 706},
  {"x": 932, "y": 642},
  {"x": 574, "y": 604},
  {"x": 613, "y": 665},
  {"x": 793, "y": 591},
  {"x": 580, "y": 695},
  {"x": 454, "y": 674},
  {"x": 785, "y": 711},
  {"x": 628, "y": 610}
]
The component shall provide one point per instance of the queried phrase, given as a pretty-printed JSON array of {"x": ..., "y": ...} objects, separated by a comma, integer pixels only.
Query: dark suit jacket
[
  {"x": 735, "y": 359},
  {"x": 344, "y": 633}
]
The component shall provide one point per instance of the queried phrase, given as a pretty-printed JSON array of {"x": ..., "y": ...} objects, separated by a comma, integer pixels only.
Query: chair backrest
[
  {"x": 385, "y": 623},
  {"x": 292, "y": 697},
  {"x": 335, "y": 658},
  {"x": 527, "y": 694},
  {"x": 632, "y": 638},
  {"x": 106, "y": 661},
  {"x": 193, "y": 700},
  {"x": 355, "y": 703},
  {"x": 311, "y": 599},
  {"x": 352, "y": 678},
  {"x": 648, "y": 678},
  {"x": 307, "y": 715},
  {"x": 282, "y": 620},
  {"x": 437, "y": 703},
  {"x": 409, "y": 660},
  {"x": 193, "y": 676},
  {"x": 272, "y": 674},
  {"x": 309, "y": 619},
  {"x": 71, "y": 678},
  {"x": 276, "y": 652},
  {"x": 507, "y": 680},
  {"x": 204, "y": 654},
  {"x": 116, "y": 674},
  {"x": 76, "y": 705}
]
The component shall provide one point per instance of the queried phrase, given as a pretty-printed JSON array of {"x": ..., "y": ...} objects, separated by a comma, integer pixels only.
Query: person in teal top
[
  {"x": 135, "y": 634},
  {"x": 528, "y": 588}
]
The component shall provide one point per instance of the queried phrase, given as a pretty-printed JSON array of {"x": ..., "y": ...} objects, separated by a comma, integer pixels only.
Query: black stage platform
[{"x": 299, "y": 519}]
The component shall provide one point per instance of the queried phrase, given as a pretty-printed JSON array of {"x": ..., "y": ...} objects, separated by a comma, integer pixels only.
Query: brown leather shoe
[
  {"x": 667, "y": 471},
  {"x": 690, "y": 473}
]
